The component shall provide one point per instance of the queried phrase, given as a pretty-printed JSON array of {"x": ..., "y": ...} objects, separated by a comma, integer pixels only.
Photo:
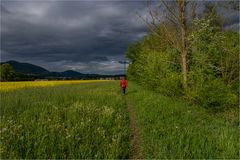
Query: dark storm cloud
[
  {"x": 87, "y": 36},
  {"x": 75, "y": 34}
]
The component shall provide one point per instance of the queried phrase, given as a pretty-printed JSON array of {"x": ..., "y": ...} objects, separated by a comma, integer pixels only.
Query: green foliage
[
  {"x": 156, "y": 68},
  {"x": 6, "y": 72},
  {"x": 212, "y": 15},
  {"x": 213, "y": 67},
  {"x": 213, "y": 79},
  {"x": 171, "y": 85},
  {"x": 133, "y": 51},
  {"x": 210, "y": 92}
]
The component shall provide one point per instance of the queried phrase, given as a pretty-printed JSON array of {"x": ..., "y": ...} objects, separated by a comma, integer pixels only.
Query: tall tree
[
  {"x": 6, "y": 72},
  {"x": 173, "y": 18}
]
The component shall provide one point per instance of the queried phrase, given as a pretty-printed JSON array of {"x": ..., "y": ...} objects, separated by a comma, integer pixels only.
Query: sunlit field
[
  {"x": 8, "y": 86},
  {"x": 75, "y": 120},
  {"x": 91, "y": 121}
]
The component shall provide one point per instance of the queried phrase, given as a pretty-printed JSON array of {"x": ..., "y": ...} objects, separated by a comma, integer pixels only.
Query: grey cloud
[
  {"x": 88, "y": 36},
  {"x": 78, "y": 31}
]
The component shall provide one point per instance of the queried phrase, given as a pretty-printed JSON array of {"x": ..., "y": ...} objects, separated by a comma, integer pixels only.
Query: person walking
[{"x": 123, "y": 85}]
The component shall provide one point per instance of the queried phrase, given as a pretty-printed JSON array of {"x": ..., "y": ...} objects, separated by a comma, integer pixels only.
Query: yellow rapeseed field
[{"x": 9, "y": 86}]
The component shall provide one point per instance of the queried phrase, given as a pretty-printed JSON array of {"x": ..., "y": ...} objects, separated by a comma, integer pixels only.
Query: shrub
[{"x": 212, "y": 93}]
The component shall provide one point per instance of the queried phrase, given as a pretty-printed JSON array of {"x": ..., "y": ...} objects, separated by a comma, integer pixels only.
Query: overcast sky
[{"x": 87, "y": 36}]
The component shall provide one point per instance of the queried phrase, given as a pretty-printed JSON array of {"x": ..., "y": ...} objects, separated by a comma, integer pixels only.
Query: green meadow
[
  {"x": 92, "y": 121},
  {"x": 170, "y": 128}
]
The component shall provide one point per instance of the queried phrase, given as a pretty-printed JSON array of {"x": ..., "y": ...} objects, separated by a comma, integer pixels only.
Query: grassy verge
[
  {"x": 172, "y": 129},
  {"x": 91, "y": 121},
  {"x": 69, "y": 121}
]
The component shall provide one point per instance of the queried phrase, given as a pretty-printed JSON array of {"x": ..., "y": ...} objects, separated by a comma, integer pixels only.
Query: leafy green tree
[
  {"x": 213, "y": 73},
  {"x": 213, "y": 66},
  {"x": 7, "y": 73},
  {"x": 210, "y": 13}
]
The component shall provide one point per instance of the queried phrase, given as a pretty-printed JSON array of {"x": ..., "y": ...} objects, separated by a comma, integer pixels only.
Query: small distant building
[{"x": 41, "y": 80}]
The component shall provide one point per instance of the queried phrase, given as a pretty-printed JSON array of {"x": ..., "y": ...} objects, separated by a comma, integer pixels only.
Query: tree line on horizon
[
  {"x": 188, "y": 54},
  {"x": 10, "y": 73}
]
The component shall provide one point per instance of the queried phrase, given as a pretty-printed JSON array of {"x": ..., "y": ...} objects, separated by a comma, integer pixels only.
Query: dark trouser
[{"x": 124, "y": 91}]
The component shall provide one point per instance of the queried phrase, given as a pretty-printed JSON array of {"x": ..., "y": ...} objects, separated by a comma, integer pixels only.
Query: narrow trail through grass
[
  {"x": 93, "y": 121},
  {"x": 172, "y": 129},
  {"x": 135, "y": 140}
]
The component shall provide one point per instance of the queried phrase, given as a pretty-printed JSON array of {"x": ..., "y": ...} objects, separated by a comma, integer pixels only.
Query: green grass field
[
  {"x": 172, "y": 129},
  {"x": 92, "y": 121},
  {"x": 71, "y": 121}
]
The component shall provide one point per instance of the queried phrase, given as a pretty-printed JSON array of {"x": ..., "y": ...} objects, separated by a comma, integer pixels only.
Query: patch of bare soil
[{"x": 135, "y": 152}]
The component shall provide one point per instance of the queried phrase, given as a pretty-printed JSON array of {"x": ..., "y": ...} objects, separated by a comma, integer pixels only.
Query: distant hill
[
  {"x": 30, "y": 69},
  {"x": 27, "y": 68},
  {"x": 70, "y": 73},
  {"x": 40, "y": 72}
]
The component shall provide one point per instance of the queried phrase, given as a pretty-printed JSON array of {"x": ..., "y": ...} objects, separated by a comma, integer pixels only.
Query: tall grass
[
  {"x": 91, "y": 121},
  {"x": 69, "y": 121},
  {"x": 172, "y": 129}
]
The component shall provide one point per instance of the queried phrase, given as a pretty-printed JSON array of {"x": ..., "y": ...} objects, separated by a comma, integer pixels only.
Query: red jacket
[{"x": 123, "y": 83}]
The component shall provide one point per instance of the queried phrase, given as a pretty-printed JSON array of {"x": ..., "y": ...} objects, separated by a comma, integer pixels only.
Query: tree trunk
[
  {"x": 184, "y": 69},
  {"x": 177, "y": 15},
  {"x": 183, "y": 27}
]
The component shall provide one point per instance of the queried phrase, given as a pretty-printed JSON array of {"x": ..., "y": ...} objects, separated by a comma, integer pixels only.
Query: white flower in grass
[
  {"x": 114, "y": 140},
  {"x": 107, "y": 111},
  {"x": 3, "y": 130},
  {"x": 54, "y": 107},
  {"x": 68, "y": 136},
  {"x": 20, "y": 126},
  {"x": 21, "y": 138}
]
